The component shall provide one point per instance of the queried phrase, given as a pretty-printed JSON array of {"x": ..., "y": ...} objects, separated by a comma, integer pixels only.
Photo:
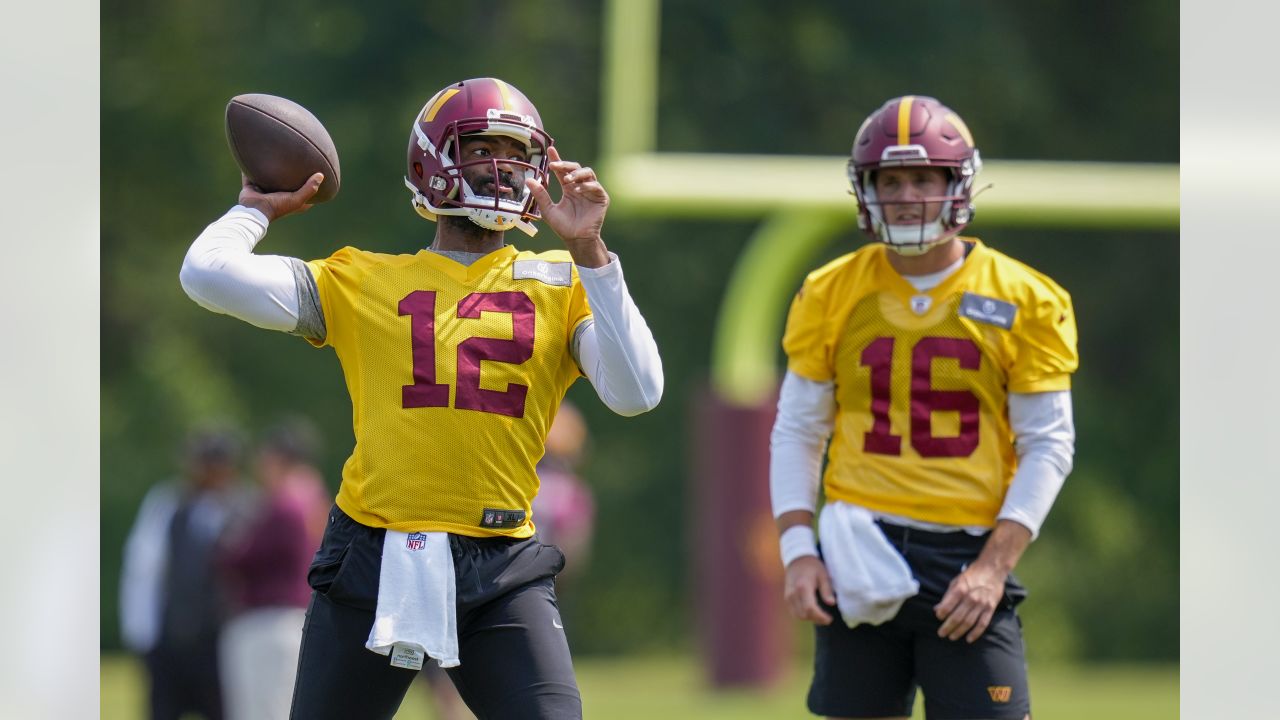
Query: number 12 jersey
[{"x": 455, "y": 374}]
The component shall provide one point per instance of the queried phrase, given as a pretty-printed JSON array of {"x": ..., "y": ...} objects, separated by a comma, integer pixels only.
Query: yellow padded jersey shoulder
[
  {"x": 819, "y": 307},
  {"x": 1044, "y": 336}
]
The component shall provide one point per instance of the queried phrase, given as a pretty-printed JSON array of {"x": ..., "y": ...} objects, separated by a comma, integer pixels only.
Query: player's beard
[{"x": 485, "y": 188}]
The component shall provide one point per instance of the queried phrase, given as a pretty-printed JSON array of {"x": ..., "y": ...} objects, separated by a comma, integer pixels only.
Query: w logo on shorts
[
  {"x": 1000, "y": 693},
  {"x": 416, "y": 541}
]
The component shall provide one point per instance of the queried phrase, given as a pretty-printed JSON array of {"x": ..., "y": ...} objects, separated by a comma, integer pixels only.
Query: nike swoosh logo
[{"x": 557, "y": 624}]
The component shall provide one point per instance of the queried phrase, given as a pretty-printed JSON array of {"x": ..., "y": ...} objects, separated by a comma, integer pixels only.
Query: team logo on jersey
[
  {"x": 416, "y": 541},
  {"x": 1000, "y": 693},
  {"x": 551, "y": 273},
  {"x": 988, "y": 310},
  {"x": 920, "y": 304}
]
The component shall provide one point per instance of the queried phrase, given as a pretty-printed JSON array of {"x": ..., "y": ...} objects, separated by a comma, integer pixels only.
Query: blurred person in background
[
  {"x": 456, "y": 359},
  {"x": 171, "y": 602},
  {"x": 565, "y": 506},
  {"x": 943, "y": 368},
  {"x": 264, "y": 563}
]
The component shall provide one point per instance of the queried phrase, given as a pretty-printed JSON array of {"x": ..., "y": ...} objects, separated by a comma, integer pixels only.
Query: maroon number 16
[{"x": 925, "y": 400}]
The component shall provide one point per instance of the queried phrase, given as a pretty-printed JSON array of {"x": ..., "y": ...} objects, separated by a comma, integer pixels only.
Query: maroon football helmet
[
  {"x": 914, "y": 131},
  {"x": 480, "y": 106}
]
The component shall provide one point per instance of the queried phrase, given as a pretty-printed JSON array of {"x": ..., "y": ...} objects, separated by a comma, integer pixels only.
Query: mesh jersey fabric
[
  {"x": 455, "y": 375},
  {"x": 921, "y": 427}
]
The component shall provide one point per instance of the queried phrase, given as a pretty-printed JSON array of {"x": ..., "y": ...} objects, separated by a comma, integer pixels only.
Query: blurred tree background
[{"x": 1052, "y": 80}]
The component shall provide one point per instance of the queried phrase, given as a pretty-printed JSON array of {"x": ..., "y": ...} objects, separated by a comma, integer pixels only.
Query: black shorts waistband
[{"x": 900, "y": 534}]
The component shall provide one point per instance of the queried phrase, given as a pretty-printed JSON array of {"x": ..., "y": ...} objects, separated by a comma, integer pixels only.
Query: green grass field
[{"x": 671, "y": 688}]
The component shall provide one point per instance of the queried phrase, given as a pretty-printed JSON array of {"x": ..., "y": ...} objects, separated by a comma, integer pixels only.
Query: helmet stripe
[
  {"x": 904, "y": 120},
  {"x": 506, "y": 94},
  {"x": 434, "y": 107},
  {"x": 961, "y": 128}
]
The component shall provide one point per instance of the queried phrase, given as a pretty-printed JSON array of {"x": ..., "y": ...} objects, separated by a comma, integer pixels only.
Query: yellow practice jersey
[
  {"x": 922, "y": 379},
  {"x": 455, "y": 374}
]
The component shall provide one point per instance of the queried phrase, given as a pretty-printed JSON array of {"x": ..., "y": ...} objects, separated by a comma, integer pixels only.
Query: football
[{"x": 278, "y": 144}]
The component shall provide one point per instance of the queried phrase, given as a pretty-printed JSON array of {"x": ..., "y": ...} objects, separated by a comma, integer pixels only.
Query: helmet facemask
[{"x": 911, "y": 239}]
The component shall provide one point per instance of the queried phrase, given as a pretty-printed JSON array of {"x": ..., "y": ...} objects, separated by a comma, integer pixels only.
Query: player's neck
[
  {"x": 933, "y": 261},
  {"x": 460, "y": 234}
]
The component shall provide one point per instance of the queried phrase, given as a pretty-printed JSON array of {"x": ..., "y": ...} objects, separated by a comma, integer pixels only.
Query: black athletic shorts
[
  {"x": 874, "y": 670},
  {"x": 515, "y": 658}
]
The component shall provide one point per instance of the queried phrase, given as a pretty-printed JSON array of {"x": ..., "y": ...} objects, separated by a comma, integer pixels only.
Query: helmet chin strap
[
  {"x": 491, "y": 220},
  {"x": 501, "y": 220},
  {"x": 912, "y": 240}
]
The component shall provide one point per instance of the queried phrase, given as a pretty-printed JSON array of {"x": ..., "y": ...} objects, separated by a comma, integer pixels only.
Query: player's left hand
[
  {"x": 969, "y": 602},
  {"x": 579, "y": 216}
]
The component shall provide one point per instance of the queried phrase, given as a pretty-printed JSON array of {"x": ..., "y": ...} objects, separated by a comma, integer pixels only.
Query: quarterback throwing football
[
  {"x": 456, "y": 358},
  {"x": 940, "y": 371}
]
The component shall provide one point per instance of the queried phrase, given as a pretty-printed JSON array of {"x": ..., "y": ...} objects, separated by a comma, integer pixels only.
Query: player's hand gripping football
[
  {"x": 807, "y": 580},
  {"x": 579, "y": 215},
  {"x": 278, "y": 204}
]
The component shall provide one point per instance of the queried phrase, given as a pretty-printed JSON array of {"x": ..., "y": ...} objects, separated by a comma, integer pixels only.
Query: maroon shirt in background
[{"x": 266, "y": 565}]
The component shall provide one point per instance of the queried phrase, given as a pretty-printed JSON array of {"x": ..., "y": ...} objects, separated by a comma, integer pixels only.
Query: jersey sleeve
[
  {"x": 334, "y": 277},
  {"x": 1045, "y": 343},
  {"x": 807, "y": 339}
]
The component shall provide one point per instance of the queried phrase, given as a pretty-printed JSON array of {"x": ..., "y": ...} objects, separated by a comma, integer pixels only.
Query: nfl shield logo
[{"x": 416, "y": 541}]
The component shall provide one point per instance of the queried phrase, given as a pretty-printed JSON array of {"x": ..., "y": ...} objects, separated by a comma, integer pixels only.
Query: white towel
[
  {"x": 417, "y": 601},
  {"x": 871, "y": 578}
]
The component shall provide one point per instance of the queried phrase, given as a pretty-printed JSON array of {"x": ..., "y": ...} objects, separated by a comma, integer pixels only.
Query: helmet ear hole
[
  {"x": 417, "y": 169},
  {"x": 445, "y": 184}
]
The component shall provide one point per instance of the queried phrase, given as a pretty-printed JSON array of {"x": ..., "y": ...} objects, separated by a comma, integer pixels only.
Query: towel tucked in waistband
[
  {"x": 417, "y": 601},
  {"x": 870, "y": 577}
]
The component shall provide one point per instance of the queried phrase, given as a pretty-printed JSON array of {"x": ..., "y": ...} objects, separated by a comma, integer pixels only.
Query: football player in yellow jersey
[
  {"x": 456, "y": 359},
  {"x": 940, "y": 371}
]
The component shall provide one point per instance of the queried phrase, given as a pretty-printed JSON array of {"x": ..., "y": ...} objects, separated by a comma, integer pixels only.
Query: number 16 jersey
[
  {"x": 922, "y": 378},
  {"x": 455, "y": 373}
]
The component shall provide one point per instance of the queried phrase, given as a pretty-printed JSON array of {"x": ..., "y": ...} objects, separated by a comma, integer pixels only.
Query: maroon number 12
[{"x": 420, "y": 306}]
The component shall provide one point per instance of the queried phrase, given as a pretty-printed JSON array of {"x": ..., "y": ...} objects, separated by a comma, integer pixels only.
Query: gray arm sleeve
[{"x": 310, "y": 315}]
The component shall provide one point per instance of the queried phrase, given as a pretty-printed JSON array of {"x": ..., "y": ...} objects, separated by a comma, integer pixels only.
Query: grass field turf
[{"x": 671, "y": 688}]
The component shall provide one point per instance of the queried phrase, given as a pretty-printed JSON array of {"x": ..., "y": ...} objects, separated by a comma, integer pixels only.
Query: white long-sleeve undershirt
[
  {"x": 221, "y": 273},
  {"x": 1041, "y": 422},
  {"x": 615, "y": 348},
  {"x": 616, "y": 351}
]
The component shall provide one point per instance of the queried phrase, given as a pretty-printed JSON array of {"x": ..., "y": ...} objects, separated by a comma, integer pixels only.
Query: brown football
[{"x": 278, "y": 144}]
